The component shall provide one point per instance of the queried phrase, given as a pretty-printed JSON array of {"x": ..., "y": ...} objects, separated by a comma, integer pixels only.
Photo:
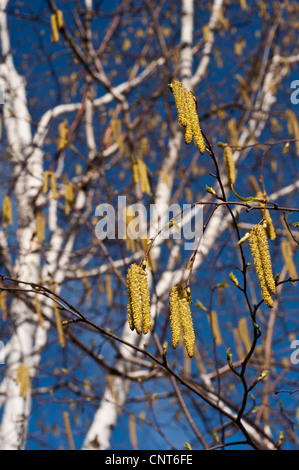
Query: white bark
[{"x": 27, "y": 335}]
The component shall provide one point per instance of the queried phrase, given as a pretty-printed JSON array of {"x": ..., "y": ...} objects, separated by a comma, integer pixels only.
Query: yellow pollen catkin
[
  {"x": 54, "y": 29},
  {"x": 265, "y": 213},
  {"x": 69, "y": 198},
  {"x": 181, "y": 319},
  {"x": 287, "y": 254},
  {"x": 40, "y": 226},
  {"x": 139, "y": 317},
  {"x": 175, "y": 323},
  {"x": 186, "y": 105},
  {"x": 63, "y": 132},
  {"x": 230, "y": 164},
  {"x": 266, "y": 258},
  {"x": 258, "y": 243},
  {"x": 23, "y": 378},
  {"x": 56, "y": 24},
  {"x": 193, "y": 119},
  {"x": 179, "y": 96},
  {"x": 6, "y": 211},
  {"x": 52, "y": 176},
  {"x": 59, "y": 16},
  {"x": 145, "y": 302}
]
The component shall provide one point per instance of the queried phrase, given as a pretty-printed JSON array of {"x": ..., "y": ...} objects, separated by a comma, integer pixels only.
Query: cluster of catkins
[
  {"x": 186, "y": 105},
  {"x": 139, "y": 316}
]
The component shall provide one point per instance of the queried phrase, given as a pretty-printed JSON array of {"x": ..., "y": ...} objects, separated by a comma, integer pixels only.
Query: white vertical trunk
[{"x": 98, "y": 436}]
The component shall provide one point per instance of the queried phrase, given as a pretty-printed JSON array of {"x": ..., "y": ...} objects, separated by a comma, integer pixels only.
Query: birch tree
[{"x": 106, "y": 144}]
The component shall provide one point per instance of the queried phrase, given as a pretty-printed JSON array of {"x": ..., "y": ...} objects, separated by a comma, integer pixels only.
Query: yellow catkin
[
  {"x": 175, "y": 322},
  {"x": 135, "y": 173},
  {"x": 117, "y": 135},
  {"x": 129, "y": 215},
  {"x": 186, "y": 105},
  {"x": 181, "y": 319},
  {"x": 199, "y": 360},
  {"x": 143, "y": 173},
  {"x": 40, "y": 226},
  {"x": 132, "y": 431},
  {"x": 54, "y": 28},
  {"x": 257, "y": 260},
  {"x": 138, "y": 299},
  {"x": 269, "y": 225},
  {"x": 188, "y": 134},
  {"x": 69, "y": 198},
  {"x": 287, "y": 254},
  {"x": 130, "y": 317},
  {"x": 186, "y": 322},
  {"x": 46, "y": 176},
  {"x": 215, "y": 329},
  {"x": 23, "y": 378},
  {"x": 244, "y": 334},
  {"x": 87, "y": 286},
  {"x": 53, "y": 185},
  {"x": 59, "y": 16},
  {"x": 109, "y": 290},
  {"x": 238, "y": 344},
  {"x": 193, "y": 119},
  {"x": 62, "y": 135},
  {"x": 179, "y": 96},
  {"x": 145, "y": 302},
  {"x": 233, "y": 130},
  {"x": 134, "y": 308},
  {"x": 266, "y": 258},
  {"x": 243, "y": 5},
  {"x": 140, "y": 174},
  {"x": 59, "y": 325},
  {"x": 68, "y": 430},
  {"x": 3, "y": 306},
  {"x": 45, "y": 182},
  {"x": 230, "y": 164},
  {"x": 6, "y": 211}
]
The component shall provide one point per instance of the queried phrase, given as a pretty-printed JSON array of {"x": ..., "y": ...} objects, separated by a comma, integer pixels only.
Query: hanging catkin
[
  {"x": 186, "y": 105},
  {"x": 175, "y": 322},
  {"x": 6, "y": 211},
  {"x": 230, "y": 164},
  {"x": 139, "y": 317},
  {"x": 181, "y": 319},
  {"x": 56, "y": 24},
  {"x": 259, "y": 248}
]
